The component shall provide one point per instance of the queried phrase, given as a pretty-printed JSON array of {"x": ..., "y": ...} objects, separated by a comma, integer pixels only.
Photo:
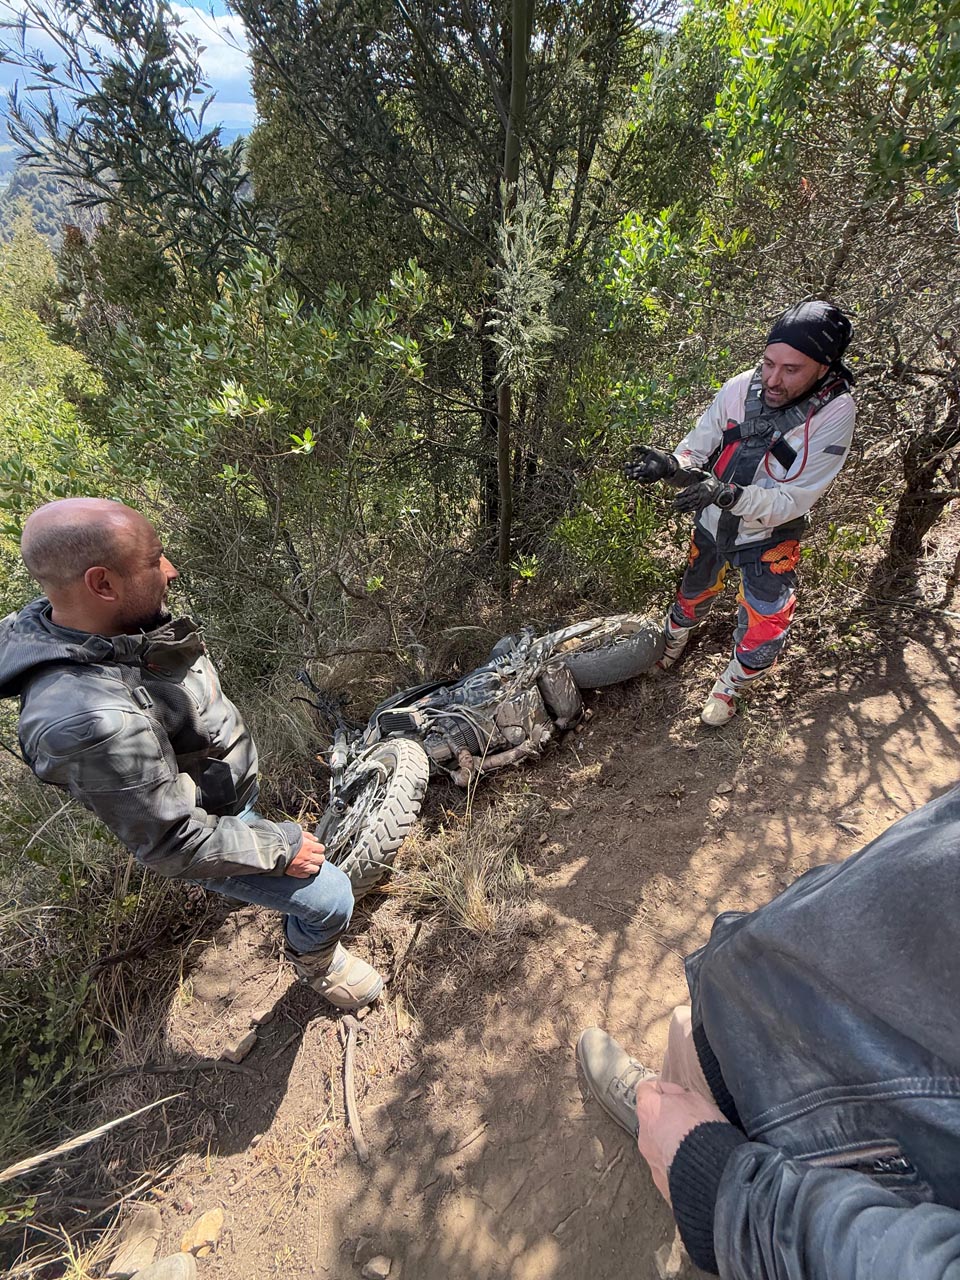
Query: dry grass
[
  {"x": 469, "y": 872},
  {"x": 81, "y": 1257},
  {"x": 88, "y": 944}
]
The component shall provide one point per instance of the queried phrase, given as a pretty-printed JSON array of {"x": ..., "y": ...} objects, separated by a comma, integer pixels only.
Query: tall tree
[
  {"x": 435, "y": 120},
  {"x": 117, "y": 116}
]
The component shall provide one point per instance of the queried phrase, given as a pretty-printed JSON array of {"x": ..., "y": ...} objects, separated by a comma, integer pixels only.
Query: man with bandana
[
  {"x": 750, "y": 471},
  {"x": 121, "y": 707}
]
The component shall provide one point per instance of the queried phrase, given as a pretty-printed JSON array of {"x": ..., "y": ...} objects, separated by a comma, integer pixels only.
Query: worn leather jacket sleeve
[
  {"x": 113, "y": 762},
  {"x": 777, "y": 1219}
]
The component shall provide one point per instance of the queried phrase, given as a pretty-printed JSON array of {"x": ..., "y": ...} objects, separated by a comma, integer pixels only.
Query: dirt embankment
[{"x": 485, "y": 1160}]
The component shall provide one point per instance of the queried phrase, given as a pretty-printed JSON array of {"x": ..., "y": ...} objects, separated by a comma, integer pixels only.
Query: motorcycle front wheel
[{"x": 380, "y": 799}]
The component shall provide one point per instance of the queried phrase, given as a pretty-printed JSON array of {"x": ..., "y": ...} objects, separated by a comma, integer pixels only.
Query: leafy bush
[{"x": 45, "y": 450}]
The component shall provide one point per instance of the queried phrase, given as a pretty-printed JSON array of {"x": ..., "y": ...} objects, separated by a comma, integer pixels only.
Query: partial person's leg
[
  {"x": 316, "y": 914},
  {"x": 612, "y": 1075},
  {"x": 316, "y": 911},
  {"x": 702, "y": 582},
  {"x": 767, "y": 602},
  {"x": 681, "y": 1064}
]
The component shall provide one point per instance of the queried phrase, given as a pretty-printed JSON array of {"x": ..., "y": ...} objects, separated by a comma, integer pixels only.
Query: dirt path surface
[{"x": 485, "y": 1161}]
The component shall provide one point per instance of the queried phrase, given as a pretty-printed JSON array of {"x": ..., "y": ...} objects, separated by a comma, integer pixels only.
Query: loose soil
[{"x": 485, "y": 1159}]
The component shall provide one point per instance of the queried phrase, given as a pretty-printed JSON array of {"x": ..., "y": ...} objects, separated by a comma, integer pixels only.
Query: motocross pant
[{"x": 767, "y": 597}]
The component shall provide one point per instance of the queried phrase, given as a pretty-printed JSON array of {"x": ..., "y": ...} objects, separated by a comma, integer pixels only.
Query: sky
[{"x": 224, "y": 60}]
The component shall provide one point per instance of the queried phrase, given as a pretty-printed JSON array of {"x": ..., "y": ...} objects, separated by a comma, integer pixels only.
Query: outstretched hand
[
  {"x": 666, "y": 1114},
  {"x": 706, "y": 492},
  {"x": 650, "y": 465}
]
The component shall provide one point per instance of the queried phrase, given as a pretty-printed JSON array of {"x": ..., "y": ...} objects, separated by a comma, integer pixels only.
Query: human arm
[
  {"x": 776, "y": 1219},
  {"x": 699, "y": 444},
  {"x": 746, "y": 1212},
  {"x": 308, "y": 859},
  {"x": 775, "y": 496},
  {"x": 649, "y": 464},
  {"x": 774, "y": 501},
  {"x": 118, "y": 765}
]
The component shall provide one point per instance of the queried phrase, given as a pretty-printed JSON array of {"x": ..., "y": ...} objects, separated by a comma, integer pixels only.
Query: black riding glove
[
  {"x": 651, "y": 465},
  {"x": 705, "y": 493}
]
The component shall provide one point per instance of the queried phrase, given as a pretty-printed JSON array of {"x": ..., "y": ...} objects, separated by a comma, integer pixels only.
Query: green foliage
[
  {"x": 612, "y": 533},
  {"x": 69, "y": 900},
  {"x": 119, "y": 122},
  {"x": 45, "y": 452},
  {"x": 257, "y": 378},
  {"x": 836, "y": 556},
  {"x": 36, "y": 196},
  {"x": 116, "y": 276},
  {"x": 48, "y": 1032},
  {"x": 293, "y": 445},
  {"x": 520, "y": 323},
  {"x": 27, "y": 271},
  {"x": 889, "y": 69}
]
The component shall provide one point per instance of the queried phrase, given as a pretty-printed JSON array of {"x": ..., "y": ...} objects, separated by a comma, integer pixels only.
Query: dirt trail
[{"x": 485, "y": 1160}]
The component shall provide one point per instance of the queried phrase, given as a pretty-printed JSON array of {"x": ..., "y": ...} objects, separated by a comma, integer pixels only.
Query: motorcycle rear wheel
[
  {"x": 620, "y": 658},
  {"x": 382, "y": 809}
]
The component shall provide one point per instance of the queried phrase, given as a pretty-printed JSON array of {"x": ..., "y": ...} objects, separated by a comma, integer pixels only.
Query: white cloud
[{"x": 224, "y": 60}]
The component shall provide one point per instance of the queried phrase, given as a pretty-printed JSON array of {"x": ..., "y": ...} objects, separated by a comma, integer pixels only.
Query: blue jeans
[{"x": 316, "y": 911}]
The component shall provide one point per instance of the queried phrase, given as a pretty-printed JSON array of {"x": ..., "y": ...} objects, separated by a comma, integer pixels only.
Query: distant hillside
[
  {"x": 41, "y": 197},
  {"x": 8, "y": 161},
  {"x": 228, "y": 135}
]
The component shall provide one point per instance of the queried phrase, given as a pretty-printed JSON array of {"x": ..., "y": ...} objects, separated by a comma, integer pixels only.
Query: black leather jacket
[
  {"x": 830, "y": 1021},
  {"x": 139, "y": 731}
]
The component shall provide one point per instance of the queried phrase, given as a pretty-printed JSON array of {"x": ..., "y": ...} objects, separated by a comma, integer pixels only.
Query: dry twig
[
  {"x": 33, "y": 1162},
  {"x": 349, "y": 1028}
]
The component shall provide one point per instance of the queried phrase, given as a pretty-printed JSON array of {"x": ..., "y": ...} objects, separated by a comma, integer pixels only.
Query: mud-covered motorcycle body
[
  {"x": 504, "y": 712},
  {"x": 526, "y": 694}
]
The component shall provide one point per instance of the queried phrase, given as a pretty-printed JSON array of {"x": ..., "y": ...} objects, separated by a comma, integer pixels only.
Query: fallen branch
[
  {"x": 916, "y": 608},
  {"x": 33, "y": 1162},
  {"x": 402, "y": 962},
  {"x": 348, "y": 1030},
  {"x": 172, "y": 1068},
  {"x": 469, "y": 1139}
]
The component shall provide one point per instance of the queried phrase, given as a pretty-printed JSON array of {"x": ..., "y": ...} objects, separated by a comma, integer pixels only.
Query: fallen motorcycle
[{"x": 498, "y": 715}]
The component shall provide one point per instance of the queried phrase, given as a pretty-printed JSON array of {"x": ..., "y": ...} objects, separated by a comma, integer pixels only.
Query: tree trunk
[
  {"x": 521, "y": 27},
  {"x": 505, "y": 478},
  {"x": 489, "y": 435},
  {"x": 920, "y": 503}
]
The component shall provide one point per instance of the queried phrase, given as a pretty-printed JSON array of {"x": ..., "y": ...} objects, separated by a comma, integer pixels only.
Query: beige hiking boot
[
  {"x": 612, "y": 1076},
  {"x": 720, "y": 707},
  {"x": 343, "y": 979}
]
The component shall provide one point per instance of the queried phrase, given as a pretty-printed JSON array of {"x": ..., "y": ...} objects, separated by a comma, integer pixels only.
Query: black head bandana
[{"x": 819, "y": 330}]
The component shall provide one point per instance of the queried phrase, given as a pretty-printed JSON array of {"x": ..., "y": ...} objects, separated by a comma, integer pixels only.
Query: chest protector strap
[{"x": 763, "y": 430}]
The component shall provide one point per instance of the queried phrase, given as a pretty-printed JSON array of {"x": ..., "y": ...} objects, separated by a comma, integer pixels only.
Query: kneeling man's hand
[
  {"x": 308, "y": 859},
  {"x": 667, "y": 1113}
]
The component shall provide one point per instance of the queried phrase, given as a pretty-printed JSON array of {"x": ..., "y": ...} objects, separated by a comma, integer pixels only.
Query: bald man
[{"x": 121, "y": 708}]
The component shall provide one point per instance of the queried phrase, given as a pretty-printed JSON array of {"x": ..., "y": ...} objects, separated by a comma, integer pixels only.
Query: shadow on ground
[{"x": 486, "y": 1162}]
